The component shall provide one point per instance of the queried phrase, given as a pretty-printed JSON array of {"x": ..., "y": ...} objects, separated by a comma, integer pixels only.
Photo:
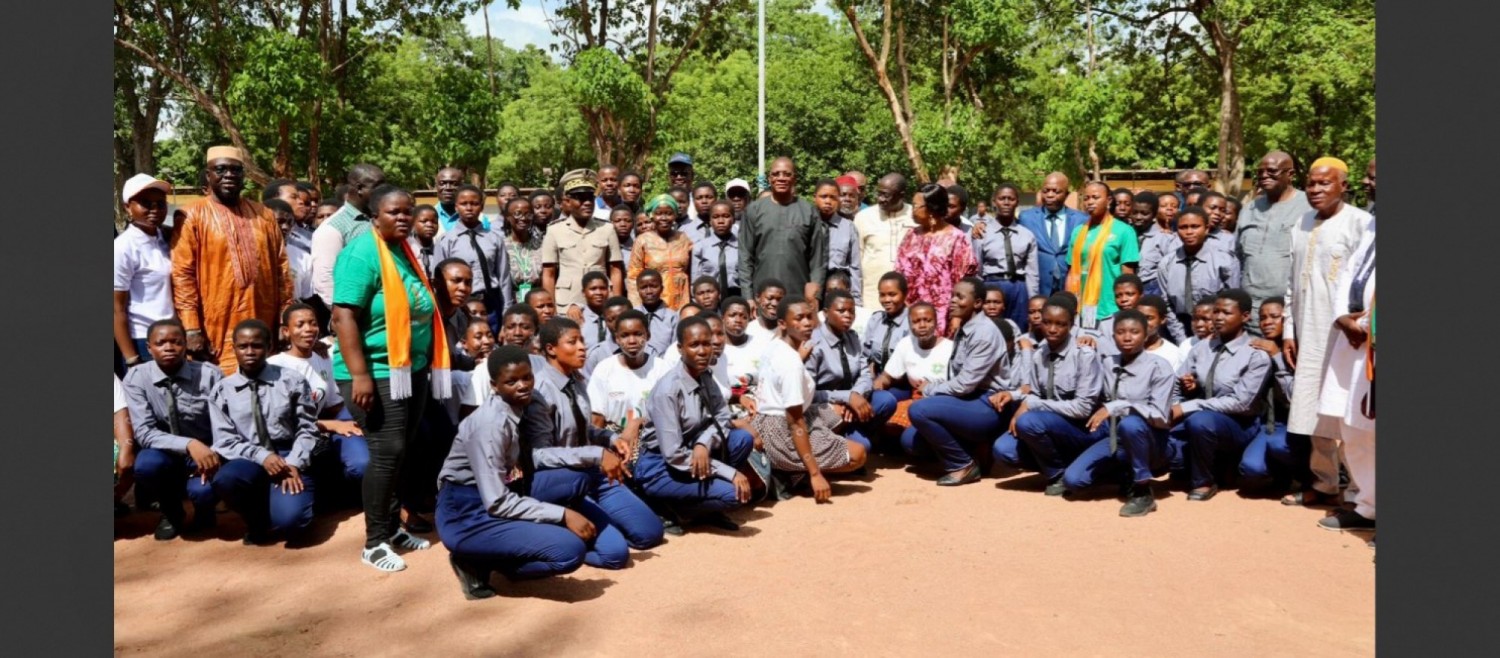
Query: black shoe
[
  {"x": 1141, "y": 502},
  {"x": 202, "y": 521},
  {"x": 717, "y": 520},
  {"x": 474, "y": 582},
  {"x": 121, "y": 510},
  {"x": 257, "y": 538},
  {"x": 961, "y": 476},
  {"x": 166, "y": 530},
  {"x": 1056, "y": 488},
  {"x": 1203, "y": 495},
  {"x": 1346, "y": 519},
  {"x": 416, "y": 524}
]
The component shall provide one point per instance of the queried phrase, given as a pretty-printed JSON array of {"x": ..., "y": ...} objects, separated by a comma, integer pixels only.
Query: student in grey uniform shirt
[
  {"x": 1274, "y": 454},
  {"x": 844, "y": 251},
  {"x": 265, "y": 424},
  {"x": 577, "y": 464},
  {"x": 1220, "y": 397},
  {"x": 168, "y": 399},
  {"x": 1216, "y": 209},
  {"x": 598, "y": 352},
  {"x": 1131, "y": 424},
  {"x": 1128, "y": 288},
  {"x": 690, "y": 452},
  {"x": 1007, "y": 254},
  {"x": 1194, "y": 270},
  {"x": 974, "y": 404},
  {"x": 485, "y": 516},
  {"x": 717, "y": 255},
  {"x": 888, "y": 325},
  {"x": 591, "y": 324},
  {"x": 1065, "y": 383},
  {"x": 483, "y": 249},
  {"x": 663, "y": 319},
  {"x": 842, "y": 375}
]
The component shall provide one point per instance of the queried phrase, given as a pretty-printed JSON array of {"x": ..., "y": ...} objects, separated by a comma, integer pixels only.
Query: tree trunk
[
  {"x": 312, "y": 143},
  {"x": 282, "y": 165},
  {"x": 1231, "y": 172},
  {"x": 899, "y": 114},
  {"x": 489, "y": 45}
]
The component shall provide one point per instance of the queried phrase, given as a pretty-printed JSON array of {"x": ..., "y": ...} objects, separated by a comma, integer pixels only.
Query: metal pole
[{"x": 761, "y": 18}]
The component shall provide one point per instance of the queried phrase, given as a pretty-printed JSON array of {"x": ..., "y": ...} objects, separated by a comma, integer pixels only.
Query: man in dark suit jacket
[{"x": 1053, "y": 223}]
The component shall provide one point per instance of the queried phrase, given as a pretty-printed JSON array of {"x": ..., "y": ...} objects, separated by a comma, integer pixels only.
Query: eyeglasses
[
  {"x": 581, "y": 196},
  {"x": 227, "y": 169}
]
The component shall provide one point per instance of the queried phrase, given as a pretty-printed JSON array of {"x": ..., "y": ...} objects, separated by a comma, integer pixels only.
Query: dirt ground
[{"x": 893, "y": 566}]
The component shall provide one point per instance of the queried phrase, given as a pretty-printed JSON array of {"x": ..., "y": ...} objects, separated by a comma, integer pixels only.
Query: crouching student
[
  {"x": 1130, "y": 427},
  {"x": 690, "y": 452},
  {"x": 1221, "y": 383},
  {"x": 620, "y": 384},
  {"x": 484, "y": 513},
  {"x": 579, "y": 465},
  {"x": 340, "y": 434},
  {"x": 917, "y": 359},
  {"x": 1157, "y": 314},
  {"x": 1052, "y": 421},
  {"x": 265, "y": 429},
  {"x": 843, "y": 377},
  {"x": 168, "y": 398},
  {"x": 601, "y": 351},
  {"x": 518, "y": 328},
  {"x": 1128, "y": 289},
  {"x": 888, "y": 326},
  {"x": 973, "y": 404},
  {"x": 706, "y": 292},
  {"x": 1274, "y": 456},
  {"x": 798, "y": 435}
]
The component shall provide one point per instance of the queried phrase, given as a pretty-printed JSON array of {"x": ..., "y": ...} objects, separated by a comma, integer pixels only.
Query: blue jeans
[
  {"x": 666, "y": 484},
  {"x": 165, "y": 478},
  {"x": 1010, "y": 451},
  {"x": 1208, "y": 433},
  {"x": 1055, "y": 440},
  {"x": 247, "y": 488},
  {"x": 1140, "y": 455},
  {"x": 1016, "y": 299},
  {"x": 1277, "y": 454},
  {"x": 883, "y": 404},
  {"x": 518, "y": 549},
  {"x": 945, "y": 423}
]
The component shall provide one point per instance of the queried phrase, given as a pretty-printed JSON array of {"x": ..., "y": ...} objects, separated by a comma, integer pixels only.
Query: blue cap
[{"x": 681, "y": 158}]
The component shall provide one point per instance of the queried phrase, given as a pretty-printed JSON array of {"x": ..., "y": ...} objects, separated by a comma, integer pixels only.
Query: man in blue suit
[{"x": 1053, "y": 224}]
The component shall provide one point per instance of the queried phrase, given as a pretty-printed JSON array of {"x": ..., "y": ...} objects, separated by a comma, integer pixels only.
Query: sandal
[
  {"x": 384, "y": 558},
  {"x": 1311, "y": 498},
  {"x": 409, "y": 541}
]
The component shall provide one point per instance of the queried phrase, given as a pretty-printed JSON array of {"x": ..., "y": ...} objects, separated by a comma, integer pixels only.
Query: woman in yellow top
[
  {"x": 1092, "y": 270},
  {"x": 666, "y": 250}
]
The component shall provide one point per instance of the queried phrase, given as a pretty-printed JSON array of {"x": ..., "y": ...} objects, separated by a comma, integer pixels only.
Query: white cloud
[{"x": 514, "y": 27}]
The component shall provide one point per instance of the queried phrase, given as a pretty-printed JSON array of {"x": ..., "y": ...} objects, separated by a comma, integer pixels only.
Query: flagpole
[{"x": 761, "y": 18}]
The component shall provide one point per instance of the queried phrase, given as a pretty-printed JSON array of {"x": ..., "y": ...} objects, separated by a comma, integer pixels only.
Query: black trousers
[{"x": 391, "y": 428}]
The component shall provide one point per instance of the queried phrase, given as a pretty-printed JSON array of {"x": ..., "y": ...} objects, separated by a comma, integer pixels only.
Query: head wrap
[
  {"x": 661, "y": 200},
  {"x": 216, "y": 152},
  {"x": 846, "y": 180}
]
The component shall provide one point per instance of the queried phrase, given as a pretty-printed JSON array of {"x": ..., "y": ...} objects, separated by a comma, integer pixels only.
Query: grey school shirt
[
  {"x": 686, "y": 413},
  {"x": 1263, "y": 244},
  {"x": 485, "y": 455},
  {"x": 287, "y": 407},
  {"x": 1145, "y": 387},
  {"x": 146, "y": 397},
  {"x": 785, "y": 242},
  {"x": 1238, "y": 377},
  {"x": 549, "y": 427},
  {"x": 981, "y": 362},
  {"x": 1212, "y": 270},
  {"x": 1071, "y": 387},
  {"x": 459, "y": 242},
  {"x": 882, "y": 334},
  {"x": 827, "y": 369},
  {"x": 993, "y": 261}
]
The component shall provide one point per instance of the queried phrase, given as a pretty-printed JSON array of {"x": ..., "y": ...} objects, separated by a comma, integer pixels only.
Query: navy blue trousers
[
  {"x": 519, "y": 549},
  {"x": 1209, "y": 433},
  {"x": 165, "y": 478},
  {"x": 666, "y": 484},
  {"x": 1140, "y": 455},
  {"x": 1055, "y": 441},
  {"x": 246, "y": 487},
  {"x": 947, "y": 424}
]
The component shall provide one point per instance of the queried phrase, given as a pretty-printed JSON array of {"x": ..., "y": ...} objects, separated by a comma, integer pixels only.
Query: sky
[{"x": 528, "y": 25}]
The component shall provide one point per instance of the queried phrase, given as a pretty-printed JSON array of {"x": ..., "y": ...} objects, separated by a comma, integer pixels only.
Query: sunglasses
[
  {"x": 228, "y": 169},
  {"x": 581, "y": 196}
]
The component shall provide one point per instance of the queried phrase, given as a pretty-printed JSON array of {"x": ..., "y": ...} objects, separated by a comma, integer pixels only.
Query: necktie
[
  {"x": 1114, "y": 394},
  {"x": 427, "y": 260},
  {"x": 723, "y": 268},
  {"x": 1208, "y": 380},
  {"x": 1010, "y": 254},
  {"x": 1271, "y": 406},
  {"x": 173, "y": 424},
  {"x": 1057, "y": 237},
  {"x": 262, "y": 436},
  {"x": 706, "y": 401},
  {"x": 484, "y": 265},
  {"x": 848, "y": 381},
  {"x": 885, "y": 343},
  {"x": 1052, "y": 375},
  {"x": 958, "y": 343},
  {"x": 571, "y": 390},
  {"x": 1187, "y": 286},
  {"x": 599, "y": 323}
]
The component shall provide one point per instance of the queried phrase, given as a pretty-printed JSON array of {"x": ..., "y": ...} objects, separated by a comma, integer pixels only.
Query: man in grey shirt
[
  {"x": 782, "y": 237},
  {"x": 1263, "y": 241}
]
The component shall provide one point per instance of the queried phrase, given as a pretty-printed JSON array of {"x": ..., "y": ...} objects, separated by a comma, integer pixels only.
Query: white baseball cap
[
  {"x": 738, "y": 182},
  {"x": 140, "y": 183}
]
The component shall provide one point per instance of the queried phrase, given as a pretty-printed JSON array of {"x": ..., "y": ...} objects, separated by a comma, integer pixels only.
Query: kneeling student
[
  {"x": 1065, "y": 384},
  {"x": 484, "y": 513},
  {"x": 843, "y": 377},
  {"x": 265, "y": 428},
  {"x": 689, "y": 453},
  {"x": 620, "y": 384}
]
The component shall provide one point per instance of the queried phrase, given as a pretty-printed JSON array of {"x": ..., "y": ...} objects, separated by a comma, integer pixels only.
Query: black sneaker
[
  {"x": 1056, "y": 488},
  {"x": 257, "y": 538},
  {"x": 717, "y": 520},
  {"x": 1346, "y": 519},
  {"x": 1141, "y": 503},
  {"x": 166, "y": 530},
  {"x": 474, "y": 581}
]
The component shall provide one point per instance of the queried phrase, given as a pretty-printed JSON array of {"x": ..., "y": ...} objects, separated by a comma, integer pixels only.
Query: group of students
[{"x": 549, "y": 439}]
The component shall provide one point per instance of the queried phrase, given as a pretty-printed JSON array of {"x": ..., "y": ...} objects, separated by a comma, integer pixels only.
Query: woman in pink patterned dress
[{"x": 935, "y": 255}]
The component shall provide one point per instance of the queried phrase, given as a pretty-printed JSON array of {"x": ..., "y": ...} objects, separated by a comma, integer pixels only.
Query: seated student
[
  {"x": 265, "y": 429},
  {"x": 994, "y": 308},
  {"x": 1065, "y": 381},
  {"x": 974, "y": 402},
  {"x": 1155, "y": 310},
  {"x": 1193, "y": 272},
  {"x": 451, "y": 282},
  {"x": 518, "y": 326},
  {"x": 797, "y": 434},
  {"x": 590, "y": 318},
  {"x": 1128, "y": 290},
  {"x": 541, "y": 301},
  {"x": 917, "y": 359},
  {"x": 706, "y": 292},
  {"x": 689, "y": 310},
  {"x": 887, "y": 326},
  {"x": 842, "y": 280},
  {"x": 663, "y": 320},
  {"x": 299, "y": 328},
  {"x": 1202, "y": 324},
  {"x": 717, "y": 256},
  {"x": 578, "y": 464},
  {"x": 599, "y": 352},
  {"x": 741, "y": 351},
  {"x": 1035, "y": 334},
  {"x": 477, "y": 341},
  {"x": 484, "y": 516},
  {"x": 843, "y": 377},
  {"x": 124, "y": 457},
  {"x": 720, "y": 367},
  {"x": 1274, "y": 454},
  {"x": 477, "y": 310},
  {"x": 1220, "y": 396},
  {"x": 768, "y": 296},
  {"x": 1130, "y": 426},
  {"x": 168, "y": 399},
  {"x": 620, "y": 382},
  {"x": 690, "y": 452}
]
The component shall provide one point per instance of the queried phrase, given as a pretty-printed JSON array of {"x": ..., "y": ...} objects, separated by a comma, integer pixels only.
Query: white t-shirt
[
  {"x": 1187, "y": 345},
  {"x": 119, "y": 395},
  {"x": 319, "y": 374},
  {"x": 1172, "y": 353},
  {"x": 615, "y": 389},
  {"x": 478, "y": 389},
  {"x": 783, "y": 381},
  {"x": 143, "y": 268},
  {"x": 757, "y": 331},
  {"x": 909, "y": 359},
  {"x": 744, "y": 360}
]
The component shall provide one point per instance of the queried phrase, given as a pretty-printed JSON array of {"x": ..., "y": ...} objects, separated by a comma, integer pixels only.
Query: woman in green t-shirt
[{"x": 361, "y": 366}]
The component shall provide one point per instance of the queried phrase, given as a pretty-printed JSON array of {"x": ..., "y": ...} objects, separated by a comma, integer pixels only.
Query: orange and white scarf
[
  {"x": 398, "y": 326},
  {"x": 1088, "y": 298}
]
